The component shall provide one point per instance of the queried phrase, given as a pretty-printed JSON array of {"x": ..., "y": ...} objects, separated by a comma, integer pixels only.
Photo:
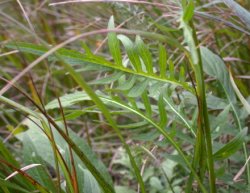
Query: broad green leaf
[
  {"x": 120, "y": 104},
  {"x": 145, "y": 54},
  {"x": 214, "y": 66},
  {"x": 168, "y": 166},
  {"x": 82, "y": 156},
  {"x": 89, "y": 183},
  {"x": 230, "y": 148},
  {"x": 68, "y": 100},
  {"x": 38, "y": 139},
  {"x": 131, "y": 51},
  {"x": 213, "y": 102},
  {"x": 241, "y": 12},
  {"x": 221, "y": 118},
  {"x": 114, "y": 44},
  {"x": 123, "y": 189},
  {"x": 31, "y": 156},
  {"x": 155, "y": 183},
  {"x": 103, "y": 108}
]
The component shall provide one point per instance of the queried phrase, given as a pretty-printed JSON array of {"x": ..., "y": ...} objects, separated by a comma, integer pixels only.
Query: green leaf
[
  {"x": 214, "y": 66},
  {"x": 40, "y": 174},
  {"x": 182, "y": 74},
  {"x": 238, "y": 93},
  {"x": 162, "y": 111},
  {"x": 230, "y": 148},
  {"x": 127, "y": 84},
  {"x": 149, "y": 136},
  {"x": 38, "y": 139},
  {"x": 13, "y": 186},
  {"x": 123, "y": 189},
  {"x": 120, "y": 104},
  {"x": 69, "y": 141},
  {"x": 138, "y": 89},
  {"x": 69, "y": 56},
  {"x": 162, "y": 60},
  {"x": 147, "y": 104},
  {"x": 114, "y": 44},
  {"x": 188, "y": 38},
  {"x": 131, "y": 51},
  {"x": 167, "y": 100},
  {"x": 68, "y": 100},
  {"x": 109, "y": 79},
  {"x": 89, "y": 183},
  {"x": 171, "y": 69},
  {"x": 91, "y": 62},
  {"x": 241, "y": 12},
  {"x": 145, "y": 54},
  {"x": 188, "y": 11}
]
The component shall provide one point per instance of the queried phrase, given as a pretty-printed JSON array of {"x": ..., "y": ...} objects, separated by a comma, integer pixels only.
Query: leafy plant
[{"x": 147, "y": 92}]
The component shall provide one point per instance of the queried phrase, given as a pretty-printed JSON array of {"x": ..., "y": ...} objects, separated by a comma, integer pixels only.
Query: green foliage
[{"x": 150, "y": 110}]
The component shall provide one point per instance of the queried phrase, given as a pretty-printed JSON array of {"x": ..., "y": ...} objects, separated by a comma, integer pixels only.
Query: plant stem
[{"x": 205, "y": 125}]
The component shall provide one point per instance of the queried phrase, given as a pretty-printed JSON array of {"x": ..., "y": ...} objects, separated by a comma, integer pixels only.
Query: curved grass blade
[
  {"x": 149, "y": 120},
  {"x": 238, "y": 93},
  {"x": 81, "y": 82},
  {"x": 230, "y": 148},
  {"x": 100, "y": 179},
  {"x": 241, "y": 12}
]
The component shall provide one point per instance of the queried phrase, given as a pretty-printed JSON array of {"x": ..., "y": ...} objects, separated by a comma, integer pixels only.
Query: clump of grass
[{"x": 159, "y": 105}]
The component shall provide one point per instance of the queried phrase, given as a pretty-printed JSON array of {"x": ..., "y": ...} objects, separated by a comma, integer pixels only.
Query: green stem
[{"x": 198, "y": 69}]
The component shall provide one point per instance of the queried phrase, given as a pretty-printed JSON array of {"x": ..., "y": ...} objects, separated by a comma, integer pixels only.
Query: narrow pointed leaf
[
  {"x": 241, "y": 12},
  {"x": 138, "y": 89},
  {"x": 114, "y": 44},
  {"x": 131, "y": 51},
  {"x": 107, "y": 80},
  {"x": 188, "y": 11},
  {"x": 162, "y": 60},
  {"x": 145, "y": 54},
  {"x": 231, "y": 147}
]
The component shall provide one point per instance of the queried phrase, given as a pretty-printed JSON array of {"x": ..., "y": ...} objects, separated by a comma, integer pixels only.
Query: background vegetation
[{"x": 124, "y": 96}]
